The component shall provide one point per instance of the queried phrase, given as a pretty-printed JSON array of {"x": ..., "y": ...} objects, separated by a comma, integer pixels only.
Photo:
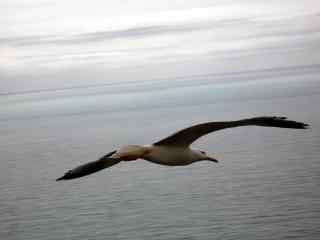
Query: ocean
[{"x": 266, "y": 185}]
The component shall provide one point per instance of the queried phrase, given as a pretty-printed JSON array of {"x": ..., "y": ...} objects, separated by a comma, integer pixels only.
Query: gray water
[{"x": 266, "y": 185}]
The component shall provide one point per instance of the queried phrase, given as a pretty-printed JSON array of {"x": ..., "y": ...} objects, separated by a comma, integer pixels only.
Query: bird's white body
[
  {"x": 164, "y": 155},
  {"x": 172, "y": 156}
]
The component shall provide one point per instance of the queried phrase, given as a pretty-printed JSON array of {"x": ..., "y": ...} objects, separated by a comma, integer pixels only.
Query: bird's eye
[{"x": 203, "y": 152}]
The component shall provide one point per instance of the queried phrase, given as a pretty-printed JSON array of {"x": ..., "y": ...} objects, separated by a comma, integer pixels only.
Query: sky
[{"x": 50, "y": 44}]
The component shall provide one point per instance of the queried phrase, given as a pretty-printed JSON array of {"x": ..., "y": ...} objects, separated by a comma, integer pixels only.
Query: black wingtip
[
  {"x": 281, "y": 122},
  {"x": 300, "y": 125},
  {"x": 91, "y": 167},
  {"x": 71, "y": 174},
  {"x": 66, "y": 176}
]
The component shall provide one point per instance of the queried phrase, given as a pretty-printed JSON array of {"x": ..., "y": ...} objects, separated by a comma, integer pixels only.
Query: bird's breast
[{"x": 171, "y": 156}]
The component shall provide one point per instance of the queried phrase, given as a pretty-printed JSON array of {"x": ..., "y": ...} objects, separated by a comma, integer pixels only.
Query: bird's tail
[{"x": 279, "y": 122}]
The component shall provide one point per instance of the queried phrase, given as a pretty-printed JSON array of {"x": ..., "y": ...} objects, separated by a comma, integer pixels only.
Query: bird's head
[
  {"x": 203, "y": 156},
  {"x": 130, "y": 152}
]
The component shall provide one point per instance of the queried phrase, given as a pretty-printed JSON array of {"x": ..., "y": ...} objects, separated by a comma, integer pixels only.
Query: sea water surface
[{"x": 266, "y": 185}]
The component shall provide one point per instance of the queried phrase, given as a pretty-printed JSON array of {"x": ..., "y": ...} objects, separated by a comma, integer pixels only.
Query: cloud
[
  {"x": 177, "y": 42},
  {"x": 256, "y": 28},
  {"x": 135, "y": 32}
]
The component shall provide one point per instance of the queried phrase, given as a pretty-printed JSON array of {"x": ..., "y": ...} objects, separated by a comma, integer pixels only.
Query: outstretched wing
[
  {"x": 187, "y": 136},
  {"x": 91, "y": 167}
]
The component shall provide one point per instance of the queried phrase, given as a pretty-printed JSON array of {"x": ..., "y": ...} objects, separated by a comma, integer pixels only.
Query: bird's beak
[{"x": 212, "y": 159}]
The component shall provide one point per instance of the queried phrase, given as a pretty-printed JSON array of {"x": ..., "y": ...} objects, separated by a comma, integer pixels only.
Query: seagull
[{"x": 175, "y": 150}]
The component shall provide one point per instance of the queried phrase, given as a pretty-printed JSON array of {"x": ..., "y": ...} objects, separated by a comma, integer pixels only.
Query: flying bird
[{"x": 175, "y": 150}]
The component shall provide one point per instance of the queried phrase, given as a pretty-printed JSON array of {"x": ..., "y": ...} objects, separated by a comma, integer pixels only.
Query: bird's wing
[
  {"x": 91, "y": 167},
  {"x": 187, "y": 136}
]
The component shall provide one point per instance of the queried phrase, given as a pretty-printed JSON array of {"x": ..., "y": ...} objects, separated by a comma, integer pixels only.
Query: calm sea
[{"x": 266, "y": 186}]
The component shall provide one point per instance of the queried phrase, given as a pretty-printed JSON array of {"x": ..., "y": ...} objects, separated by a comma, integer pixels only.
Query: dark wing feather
[
  {"x": 91, "y": 167},
  {"x": 185, "y": 137}
]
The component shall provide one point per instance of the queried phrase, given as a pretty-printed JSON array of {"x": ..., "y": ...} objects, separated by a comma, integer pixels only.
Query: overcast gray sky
[{"x": 56, "y": 43}]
